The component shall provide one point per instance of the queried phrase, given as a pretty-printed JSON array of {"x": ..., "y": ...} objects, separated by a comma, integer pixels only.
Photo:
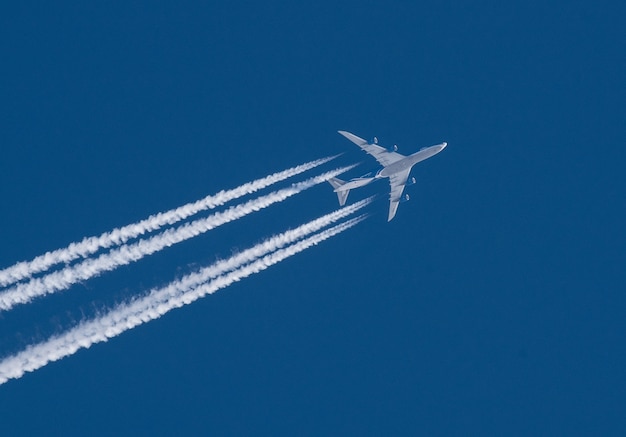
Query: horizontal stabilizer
[{"x": 342, "y": 195}]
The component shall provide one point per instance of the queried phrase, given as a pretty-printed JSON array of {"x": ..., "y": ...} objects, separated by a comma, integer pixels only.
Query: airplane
[{"x": 396, "y": 167}]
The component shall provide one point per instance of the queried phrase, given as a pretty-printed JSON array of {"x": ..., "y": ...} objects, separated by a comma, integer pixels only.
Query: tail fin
[{"x": 342, "y": 195}]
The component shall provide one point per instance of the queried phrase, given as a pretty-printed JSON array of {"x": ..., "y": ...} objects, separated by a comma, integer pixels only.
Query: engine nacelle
[
  {"x": 393, "y": 148},
  {"x": 375, "y": 140},
  {"x": 410, "y": 181},
  {"x": 404, "y": 198}
]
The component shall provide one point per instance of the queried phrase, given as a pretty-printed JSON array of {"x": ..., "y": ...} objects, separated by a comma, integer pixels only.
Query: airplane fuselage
[
  {"x": 396, "y": 168},
  {"x": 410, "y": 161},
  {"x": 355, "y": 183}
]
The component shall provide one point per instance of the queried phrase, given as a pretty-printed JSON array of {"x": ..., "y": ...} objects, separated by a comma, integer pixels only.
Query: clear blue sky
[{"x": 493, "y": 304}]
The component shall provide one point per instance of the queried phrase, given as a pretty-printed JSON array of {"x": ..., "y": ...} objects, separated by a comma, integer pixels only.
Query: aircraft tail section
[{"x": 342, "y": 195}]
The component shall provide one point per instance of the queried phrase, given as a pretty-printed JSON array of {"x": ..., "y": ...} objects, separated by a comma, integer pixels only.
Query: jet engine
[
  {"x": 393, "y": 148},
  {"x": 404, "y": 198},
  {"x": 410, "y": 181}
]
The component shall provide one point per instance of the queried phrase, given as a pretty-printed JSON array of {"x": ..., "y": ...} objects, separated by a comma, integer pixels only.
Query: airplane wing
[
  {"x": 382, "y": 155},
  {"x": 397, "y": 182}
]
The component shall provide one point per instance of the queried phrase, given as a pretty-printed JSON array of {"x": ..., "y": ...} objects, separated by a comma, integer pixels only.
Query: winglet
[
  {"x": 356, "y": 140},
  {"x": 393, "y": 207}
]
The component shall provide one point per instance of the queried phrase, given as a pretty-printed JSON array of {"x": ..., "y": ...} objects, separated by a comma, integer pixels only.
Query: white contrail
[
  {"x": 118, "y": 236},
  {"x": 142, "y": 310},
  {"x": 63, "y": 279},
  {"x": 270, "y": 245}
]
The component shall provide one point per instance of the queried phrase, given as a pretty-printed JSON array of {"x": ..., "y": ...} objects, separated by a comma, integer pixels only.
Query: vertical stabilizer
[{"x": 342, "y": 195}]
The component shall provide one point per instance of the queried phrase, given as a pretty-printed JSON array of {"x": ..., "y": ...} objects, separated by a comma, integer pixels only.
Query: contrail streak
[
  {"x": 118, "y": 236},
  {"x": 63, "y": 279},
  {"x": 150, "y": 307},
  {"x": 270, "y": 245}
]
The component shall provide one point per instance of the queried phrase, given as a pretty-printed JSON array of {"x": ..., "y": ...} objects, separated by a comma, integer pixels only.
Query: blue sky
[{"x": 492, "y": 304}]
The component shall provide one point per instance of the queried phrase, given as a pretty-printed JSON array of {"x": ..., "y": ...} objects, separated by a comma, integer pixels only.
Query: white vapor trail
[
  {"x": 63, "y": 279},
  {"x": 270, "y": 245},
  {"x": 118, "y": 236},
  {"x": 159, "y": 302}
]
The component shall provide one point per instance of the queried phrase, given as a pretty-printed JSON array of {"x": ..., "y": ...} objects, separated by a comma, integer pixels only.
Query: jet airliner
[{"x": 396, "y": 167}]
